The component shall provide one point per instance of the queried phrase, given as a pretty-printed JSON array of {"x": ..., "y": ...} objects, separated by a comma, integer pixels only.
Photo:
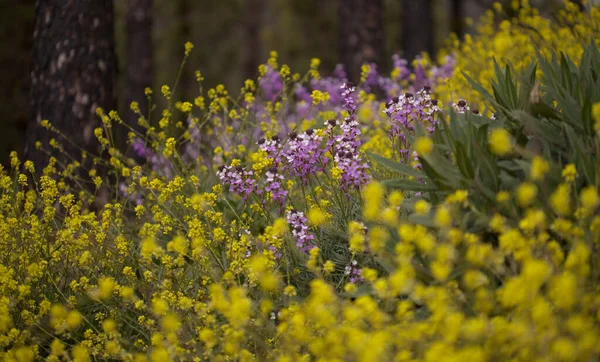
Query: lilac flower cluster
[
  {"x": 304, "y": 154},
  {"x": 420, "y": 76},
  {"x": 239, "y": 180},
  {"x": 346, "y": 155},
  {"x": 408, "y": 109},
  {"x": 461, "y": 106},
  {"x": 272, "y": 147},
  {"x": 354, "y": 272},
  {"x": 271, "y": 84},
  {"x": 274, "y": 186},
  {"x": 299, "y": 226}
]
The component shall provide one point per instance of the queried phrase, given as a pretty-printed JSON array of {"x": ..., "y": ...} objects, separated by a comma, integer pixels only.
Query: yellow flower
[
  {"x": 188, "y": 48},
  {"x": 539, "y": 168},
  {"x": 422, "y": 207},
  {"x": 373, "y": 196},
  {"x": 500, "y": 141},
  {"x": 569, "y": 173},
  {"x": 526, "y": 193},
  {"x": 589, "y": 197},
  {"x": 423, "y": 146},
  {"x": 105, "y": 287},
  {"x": 290, "y": 291},
  {"x": 560, "y": 200},
  {"x": 596, "y": 116},
  {"x": 329, "y": 266},
  {"x": 442, "y": 217},
  {"x": 319, "y": 97},
  {"x": 317, "y": 217}
]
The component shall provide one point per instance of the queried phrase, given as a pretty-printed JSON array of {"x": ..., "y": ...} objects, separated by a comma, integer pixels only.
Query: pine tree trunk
[
  {"x": 73, "y": 73},
  {"x": 417, "y": 28},
  {"x": 361, "y": 34},
  {"x": 138, "y": 69},
  {"x": 253, "y": 51},
  {"x": 458, "y": 17}
]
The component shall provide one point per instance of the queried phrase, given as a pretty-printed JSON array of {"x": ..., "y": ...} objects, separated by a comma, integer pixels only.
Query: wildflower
[
  {"x": 589, "y": 197},
  {"x": 526, "y": 194},
  {"x": 500, "y": 141},
  {"x": 423, "y": 146},
  {"x": 317, "y": 217},
  {"x": 290, "y": 291},
  {"x": 274, "y": 186},
  {"x": 422, "y": 207},
  {"x": 238, "y": 179},
  {"x": 461, "y": 106},
  {"x": 329, "y": 266},
  {"x": 188, "y": 48},
  {"x": 407, "y": 110},
  {"x": 354, "y": 273},
  {"x": 560, "y": 200},
  {"x": 569, "y": 173},
  {"x": 346, "y": 156},
  {"x": 539, "y": 168},
  {"x": 373, "y": 195},
  {"x": 304, "y": 154},
  {"x": 298, "y": 224}
]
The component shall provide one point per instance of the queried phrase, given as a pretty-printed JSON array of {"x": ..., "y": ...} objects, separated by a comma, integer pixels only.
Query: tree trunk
[
  {"x": 458, "y": 17},
  {"x": 253, "y": 51},
  {"x": 138, "y": 69},
  {"x": 361, "y": 34},
  {"x": 417, "y": 28},
  {"x": 73, "y": 73}
]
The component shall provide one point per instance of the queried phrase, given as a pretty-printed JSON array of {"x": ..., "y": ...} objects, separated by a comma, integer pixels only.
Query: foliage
[{"x": 308, "y": 218}]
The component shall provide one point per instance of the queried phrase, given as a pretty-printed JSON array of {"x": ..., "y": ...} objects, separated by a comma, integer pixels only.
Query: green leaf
[
  {"x": 408, "y": 185},
  {"x": 396, "y": 166}
]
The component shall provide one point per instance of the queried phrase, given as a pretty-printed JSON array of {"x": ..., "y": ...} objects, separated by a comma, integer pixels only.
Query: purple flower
[
  {"x": 461, "y": 106},
  {"x": 304, "y": 154},
  {"x": 408, "y": 109},
  {"x": 271, "y": 84},
  {"x": 346, "y": 155},
  {"x": 238, "y": 179},
  {"x": 140, "y": 149},
  {"x": 134, "y": 197},
  {"x": 274, "y": 186},
  {"x": 354, "y": 272},
  {"x": 298, "y": 224}
]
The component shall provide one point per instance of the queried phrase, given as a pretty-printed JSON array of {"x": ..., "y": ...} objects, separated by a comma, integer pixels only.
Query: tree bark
[
  {"x": 253, "y": 51},
  {"x": 458, "y": 17},
  {"x": 73, "y": 73},
  {"x": 361, "y": 34},
  {"x": 138, "y": 69},
  {"x": 417, "y": 28}
]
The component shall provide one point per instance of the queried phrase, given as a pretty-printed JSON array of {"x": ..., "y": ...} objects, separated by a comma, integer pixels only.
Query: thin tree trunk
[
  {"x": 73, "y": 73},
  {"x": 184, "y": 10},
  {"x": 138, "y": 69},
  {"x": 253, "y": 50},
  {"x": 417, "y": 28},
  {"x": 361, "y": 34},
  {"x": 458, "y": 17}
]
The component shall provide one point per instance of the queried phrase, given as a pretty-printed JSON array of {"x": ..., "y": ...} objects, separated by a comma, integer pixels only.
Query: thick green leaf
[
  {"x": 408, "y": 185},
  {"x": 396, "y": 166}
]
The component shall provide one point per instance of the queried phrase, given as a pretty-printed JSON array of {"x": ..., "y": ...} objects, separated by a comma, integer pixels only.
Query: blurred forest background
[{"x": 231, "y": 38}]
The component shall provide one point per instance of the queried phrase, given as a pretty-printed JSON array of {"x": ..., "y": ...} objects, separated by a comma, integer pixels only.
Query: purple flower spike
[
  {"x": 238, "y": 179},
  {"x": 274, "y": 186},
  {"x": 346, "y": 155},
  {"x": 298, "y": 224}
]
